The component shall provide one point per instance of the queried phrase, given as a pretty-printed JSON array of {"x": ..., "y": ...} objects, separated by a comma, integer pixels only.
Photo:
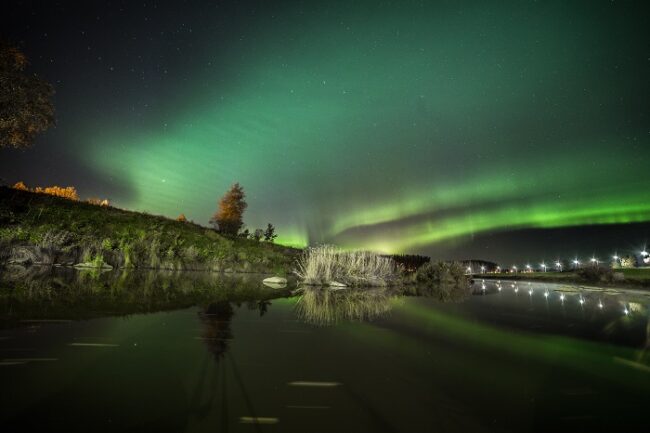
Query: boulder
[{"x": 275, "y": 280}]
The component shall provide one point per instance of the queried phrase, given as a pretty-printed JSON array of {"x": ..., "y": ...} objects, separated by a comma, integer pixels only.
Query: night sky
[{"x": 510, "y": 131}]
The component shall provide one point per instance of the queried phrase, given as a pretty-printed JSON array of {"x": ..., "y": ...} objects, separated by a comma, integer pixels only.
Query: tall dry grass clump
[{"x": 325, "y": 264}]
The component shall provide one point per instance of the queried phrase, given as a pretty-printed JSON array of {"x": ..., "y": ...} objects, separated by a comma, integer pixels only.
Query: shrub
[
  {"x": 446, "y": 273},
  {"x": 98, "y": 201},
  {"x": 594, "y": 274},
  {"x": 69, "y": 192},
  {"x": 20, "y": 186}
]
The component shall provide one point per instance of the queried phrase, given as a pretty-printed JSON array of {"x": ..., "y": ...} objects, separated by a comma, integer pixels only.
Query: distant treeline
[{"x": 410, "y": 262}]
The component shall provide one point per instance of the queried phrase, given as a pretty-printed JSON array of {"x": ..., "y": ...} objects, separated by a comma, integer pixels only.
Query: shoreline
[{"x": 641, "y": 284}]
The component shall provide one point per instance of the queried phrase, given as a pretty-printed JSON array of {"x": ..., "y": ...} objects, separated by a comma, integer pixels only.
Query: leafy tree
[
  {"x": 245, "y": 234},
  {"x": 229, "y": 217},
  {"x": 25, "y": 100},
  {"x": 182, "y": 218},
  {"x": 269, "y": 233}
]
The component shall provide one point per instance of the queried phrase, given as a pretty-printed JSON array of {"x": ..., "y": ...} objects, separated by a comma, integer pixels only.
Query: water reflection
[
  {"x": 216, "y": 319},
  {"x": 614, "y": 315},
  {"x": 67, "y": 294},
  {"x": 324, "y": 306}
]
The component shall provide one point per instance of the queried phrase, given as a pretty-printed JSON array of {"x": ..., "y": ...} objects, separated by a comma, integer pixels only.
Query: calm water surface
[{"x": 195, "y": 353}]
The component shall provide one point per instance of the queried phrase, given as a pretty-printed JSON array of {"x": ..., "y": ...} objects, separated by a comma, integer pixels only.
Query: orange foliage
[
  {"x": 181, "y": 218},
  {"x": 229, "y": 217},
  {"x": 20, "y": 186},
  {"x": 68, "y": 192}
]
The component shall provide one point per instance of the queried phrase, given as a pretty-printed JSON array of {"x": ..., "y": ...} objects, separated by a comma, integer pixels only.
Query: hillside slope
[{"x": 47, "y": 230}]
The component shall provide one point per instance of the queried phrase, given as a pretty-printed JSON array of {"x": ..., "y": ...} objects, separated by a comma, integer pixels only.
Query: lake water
[{"x": 195, "y": 353}]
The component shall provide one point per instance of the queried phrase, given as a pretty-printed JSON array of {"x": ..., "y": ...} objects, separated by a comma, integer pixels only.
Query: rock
[
  {"x": 275, "y": 285},
  {"x": 275, "y": 280},
  {"x": 93, "y": 265},
  {"x": 337, "y": 284}
]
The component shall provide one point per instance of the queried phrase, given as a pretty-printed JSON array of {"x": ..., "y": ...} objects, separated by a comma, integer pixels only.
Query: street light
[
  {"x": 594, "y": 260},
  {"x": 514, "y": 268},
  {"x": 558, "y": 265},
  {"x": 645, "y": 257},
  {"x": 482, "y": 269},
  {"x": 544, "y": 267},
  {"x": 576, "y": 263}
]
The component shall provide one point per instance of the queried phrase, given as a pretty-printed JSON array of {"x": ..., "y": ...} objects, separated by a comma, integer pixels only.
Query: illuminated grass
[{"x": 326, "y": 264}]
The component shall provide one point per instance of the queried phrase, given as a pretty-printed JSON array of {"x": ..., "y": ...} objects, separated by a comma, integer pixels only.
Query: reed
[{"x": 326, "y": 264}]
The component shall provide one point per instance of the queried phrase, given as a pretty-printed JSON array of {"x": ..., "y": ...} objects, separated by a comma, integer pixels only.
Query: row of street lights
[{"x": 645, "y": 256}]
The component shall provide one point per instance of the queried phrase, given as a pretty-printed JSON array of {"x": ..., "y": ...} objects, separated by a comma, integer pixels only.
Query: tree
[
  {"x": 229, "y": 217},
  {"x": 269, "y": 233},
  {"x": 257, "y": 235},
  {"x": 25, "y": 100},
  {"x": 182, "y": 218}
]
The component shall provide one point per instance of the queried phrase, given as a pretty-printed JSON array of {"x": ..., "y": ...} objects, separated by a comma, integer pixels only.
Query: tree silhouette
[
  {"x": 25, "y": 100},
  {"x": 229, "y": 217},
  {"x": 269, "y": 233}
]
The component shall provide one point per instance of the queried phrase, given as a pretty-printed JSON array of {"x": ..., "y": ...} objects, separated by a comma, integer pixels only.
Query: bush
[
  {"x": 446, "y": 273},
  {"x": 595, "y": 274}
]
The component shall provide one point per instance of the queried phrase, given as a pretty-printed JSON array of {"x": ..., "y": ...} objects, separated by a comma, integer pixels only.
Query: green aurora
[{"x": 392, "y": 126}]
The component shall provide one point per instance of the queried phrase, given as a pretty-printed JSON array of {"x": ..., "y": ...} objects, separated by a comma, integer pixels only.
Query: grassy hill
[{"x": 43, "y": 229}]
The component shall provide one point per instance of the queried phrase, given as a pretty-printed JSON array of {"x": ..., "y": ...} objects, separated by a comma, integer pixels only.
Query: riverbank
[
  {"x": 632, "y": 278},
  {"x": 39, "y": 229}
]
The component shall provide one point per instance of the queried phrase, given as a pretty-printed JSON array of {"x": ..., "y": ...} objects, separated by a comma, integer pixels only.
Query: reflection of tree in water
[
  {"x": 262, "y": 306},
  {"x": 323, "y": 306},
  {"x": 216, "y": 319},
  {"x": 212, "y": 389}
]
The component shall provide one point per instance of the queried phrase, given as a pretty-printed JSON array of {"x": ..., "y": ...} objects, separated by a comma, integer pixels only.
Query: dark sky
[{"x": 512, "y": 131}]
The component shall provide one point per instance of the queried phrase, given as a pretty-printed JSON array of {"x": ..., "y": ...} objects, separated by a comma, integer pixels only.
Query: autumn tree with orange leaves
[{"x": 229, "y": 217}]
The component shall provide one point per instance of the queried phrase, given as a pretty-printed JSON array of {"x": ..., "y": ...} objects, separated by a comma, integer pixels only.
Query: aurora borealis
[{"x": 394, "y": 126}]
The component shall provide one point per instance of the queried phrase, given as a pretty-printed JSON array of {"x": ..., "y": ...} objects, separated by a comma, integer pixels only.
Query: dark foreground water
[{"x": 113, "y": 352}]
